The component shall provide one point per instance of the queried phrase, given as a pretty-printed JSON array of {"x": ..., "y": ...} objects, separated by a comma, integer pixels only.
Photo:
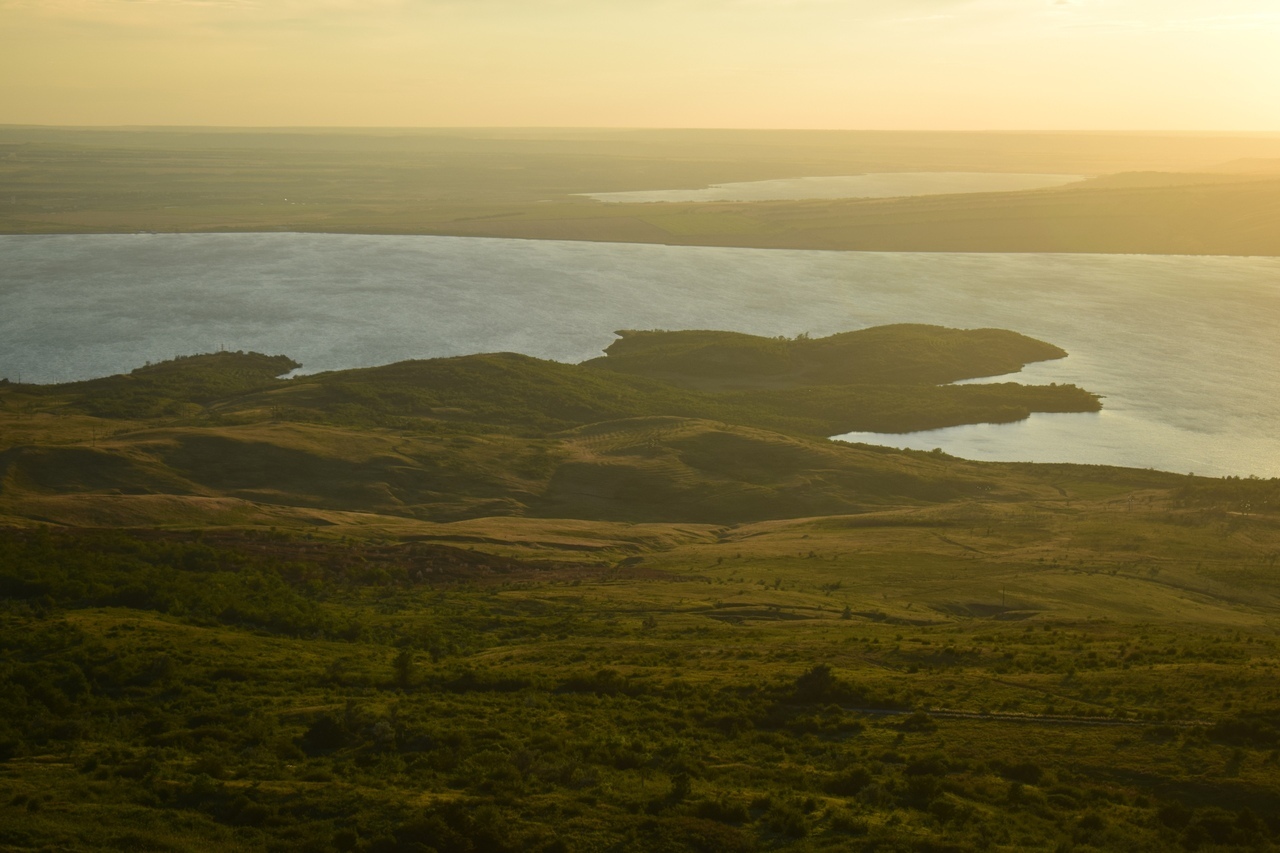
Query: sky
[{"x": 1200, "y": 65}]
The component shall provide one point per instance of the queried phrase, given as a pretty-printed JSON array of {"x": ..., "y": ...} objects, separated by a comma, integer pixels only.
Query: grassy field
[
  {"x": 1038, "y": 676},
  {"x": 1190, "y": 194},
  {"x": 346, "y": 612}
]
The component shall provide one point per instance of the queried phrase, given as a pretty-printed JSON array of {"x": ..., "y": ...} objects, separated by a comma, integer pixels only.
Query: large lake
[{"x": 1185, "y": 349}]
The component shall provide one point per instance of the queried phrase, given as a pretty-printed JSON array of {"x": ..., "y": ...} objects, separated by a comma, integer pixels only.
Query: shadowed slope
[{"x": 509, "y": 435}]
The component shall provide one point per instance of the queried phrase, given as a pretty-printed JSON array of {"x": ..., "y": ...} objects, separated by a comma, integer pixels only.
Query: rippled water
[
  {"x": 1185, "y": 349},
  {"x": 878, "y": 185}
]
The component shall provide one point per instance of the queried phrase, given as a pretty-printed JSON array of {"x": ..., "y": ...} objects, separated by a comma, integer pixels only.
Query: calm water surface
[
  {"x": 877, "y": 185},
  {"x": 1184, "y": 349}
]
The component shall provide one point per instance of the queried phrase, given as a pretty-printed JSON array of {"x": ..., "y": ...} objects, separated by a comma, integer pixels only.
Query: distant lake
[
  {"x": 1186, "y": 349},
  {"x": 877, "y": 185}
]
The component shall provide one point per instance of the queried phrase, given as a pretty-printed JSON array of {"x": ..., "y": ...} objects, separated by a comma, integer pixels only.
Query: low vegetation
[
  {"x": 842, "y": 683},
  {"x": 900, "y": 354},
  {"x": 1164, "y": 194},
  {"x": 498, "y": 604},
  {"x": 506, "y": 434}
]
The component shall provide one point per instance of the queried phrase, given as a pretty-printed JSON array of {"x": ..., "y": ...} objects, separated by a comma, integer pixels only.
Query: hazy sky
[{"x": 903, "y": 64}]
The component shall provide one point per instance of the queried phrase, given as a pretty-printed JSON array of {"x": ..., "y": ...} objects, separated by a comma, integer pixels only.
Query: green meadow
[{"x": 497, "y": 604}]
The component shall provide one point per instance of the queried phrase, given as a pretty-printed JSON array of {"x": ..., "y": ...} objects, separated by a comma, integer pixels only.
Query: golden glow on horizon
[{"x": 947, "y": 64}]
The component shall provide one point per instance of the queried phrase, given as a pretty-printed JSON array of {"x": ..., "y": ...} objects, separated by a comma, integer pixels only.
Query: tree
[{"x": 404, "y": 668}]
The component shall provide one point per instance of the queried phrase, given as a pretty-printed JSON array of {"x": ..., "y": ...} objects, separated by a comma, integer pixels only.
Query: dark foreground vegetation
[
  {"x": 496, "y": 604},
  {"x": 260, "y": 690}
]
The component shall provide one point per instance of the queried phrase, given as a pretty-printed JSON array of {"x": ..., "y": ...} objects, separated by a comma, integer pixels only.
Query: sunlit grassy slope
[
  {"x": 497, "y": 604},
  {"x": 1163, "y": 194}
]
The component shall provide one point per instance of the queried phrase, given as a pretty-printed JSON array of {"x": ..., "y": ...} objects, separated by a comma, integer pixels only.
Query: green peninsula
[{"x": 667, "y": 426}]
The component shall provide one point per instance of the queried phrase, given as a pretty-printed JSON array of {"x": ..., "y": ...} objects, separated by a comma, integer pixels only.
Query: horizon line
[{"x": 636, "y": 129}]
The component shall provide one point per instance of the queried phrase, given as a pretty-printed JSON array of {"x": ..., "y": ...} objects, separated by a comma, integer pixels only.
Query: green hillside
[
  {"x": 902, "y": 354},
  {"x": 506, "y": 434},
  {"x": 492, "y": 604},
  {"x": 170, "y": 388},
  {"x": 972, "y": 675}
]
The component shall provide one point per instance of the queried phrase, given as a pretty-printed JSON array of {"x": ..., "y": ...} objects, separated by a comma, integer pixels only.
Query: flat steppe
[{"x": 1146, "y": 193}]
